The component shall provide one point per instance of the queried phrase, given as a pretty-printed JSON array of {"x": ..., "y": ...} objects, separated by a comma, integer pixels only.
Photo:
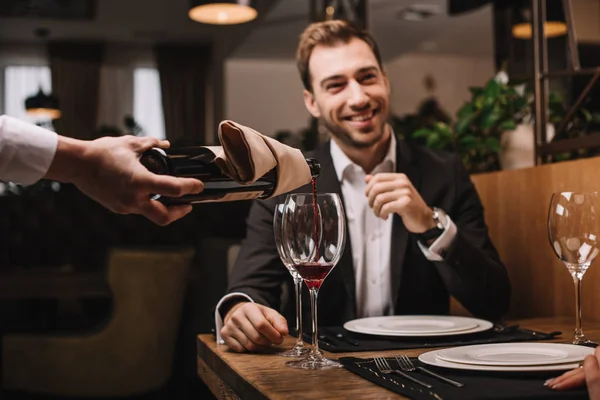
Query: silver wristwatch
[{"x": 440, "y": 218}]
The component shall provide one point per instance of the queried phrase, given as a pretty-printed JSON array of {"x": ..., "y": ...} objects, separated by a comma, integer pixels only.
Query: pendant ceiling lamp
[
  {"x": 222, "y": 12},
  {"x": 42, "y": 105},
  {"x": 554, "y": 26}
]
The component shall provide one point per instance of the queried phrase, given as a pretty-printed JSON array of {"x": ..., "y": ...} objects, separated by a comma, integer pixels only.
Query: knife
[
  {"x": 344, "y": 339},
  {"x": 323, "y": 340},
  {"x": 338, "y": 338}
]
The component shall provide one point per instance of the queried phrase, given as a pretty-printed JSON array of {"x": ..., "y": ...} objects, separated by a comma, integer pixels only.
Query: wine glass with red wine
[
  {"x": 299, "y": 349},
  {"x": 314, "y": 236}
]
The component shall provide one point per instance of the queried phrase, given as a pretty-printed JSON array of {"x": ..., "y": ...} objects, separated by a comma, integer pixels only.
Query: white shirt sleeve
[
  {"x": 441, "y": 244},
  {"x": 26, "y": 150},
  {"x": 218, "y": 319}
]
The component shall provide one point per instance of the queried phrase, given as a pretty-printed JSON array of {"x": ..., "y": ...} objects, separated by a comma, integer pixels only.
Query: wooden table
[{"x": 263, "y": 376}]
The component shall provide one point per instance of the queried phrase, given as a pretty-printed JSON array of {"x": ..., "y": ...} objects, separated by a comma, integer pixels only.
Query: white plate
[
  {"x": 417, "y": 325},
  {"x": 431, "y": 358},
  {"x": 515, "y": 354}
]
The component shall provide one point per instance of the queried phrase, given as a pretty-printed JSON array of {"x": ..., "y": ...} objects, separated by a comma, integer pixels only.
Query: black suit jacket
[{"x": 471, "y": 271}]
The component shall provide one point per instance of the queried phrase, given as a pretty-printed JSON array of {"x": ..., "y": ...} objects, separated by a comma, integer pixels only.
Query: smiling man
[{"x": 416, "y": 232}]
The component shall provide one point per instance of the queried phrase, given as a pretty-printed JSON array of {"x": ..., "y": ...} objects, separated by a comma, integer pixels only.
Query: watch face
[{"x": 439, "y": 216}]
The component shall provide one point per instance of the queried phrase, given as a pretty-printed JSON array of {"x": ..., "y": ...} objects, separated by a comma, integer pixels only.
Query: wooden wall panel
[{"x": 516, "y": 207}]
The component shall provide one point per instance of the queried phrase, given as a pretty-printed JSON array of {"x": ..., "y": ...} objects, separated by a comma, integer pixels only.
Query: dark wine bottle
[{"x": 199, "y": 162}]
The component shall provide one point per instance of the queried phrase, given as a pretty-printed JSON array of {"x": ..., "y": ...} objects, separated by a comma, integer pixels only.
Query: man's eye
[
  {"x": 369, "y": 77},
  {"x": 334, "y": 85}
]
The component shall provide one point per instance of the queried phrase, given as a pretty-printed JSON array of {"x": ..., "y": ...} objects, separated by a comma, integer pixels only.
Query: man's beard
[{"x": 345, "y": 137}]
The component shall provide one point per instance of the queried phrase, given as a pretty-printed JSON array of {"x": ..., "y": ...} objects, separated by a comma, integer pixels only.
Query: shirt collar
[{"x": 341, "y": 161}]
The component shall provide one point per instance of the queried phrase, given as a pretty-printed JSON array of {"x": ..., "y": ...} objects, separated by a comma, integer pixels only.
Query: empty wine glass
[
  {"x": 314, "y": 236},
  {"x": 574, "y": 234},
  {"x": 299, "y": 349}
]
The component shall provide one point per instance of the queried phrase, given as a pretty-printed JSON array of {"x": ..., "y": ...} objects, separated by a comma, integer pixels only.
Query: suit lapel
[
  {"x": 405, "y": 165},
  {"x": 328, "y": 182}
]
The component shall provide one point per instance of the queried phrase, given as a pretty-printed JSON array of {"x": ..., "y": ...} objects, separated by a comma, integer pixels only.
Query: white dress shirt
[
  {"x": 26, "y": 150},
  {"x": 370, "y": 238}
]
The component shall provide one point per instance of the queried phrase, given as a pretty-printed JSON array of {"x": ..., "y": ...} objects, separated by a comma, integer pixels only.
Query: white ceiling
[
  {"x": 468, "y": 34},
  {"x": 274, "y": 35}
]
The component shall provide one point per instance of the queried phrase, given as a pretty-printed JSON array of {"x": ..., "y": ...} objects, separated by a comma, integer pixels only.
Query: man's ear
[{"x": 311, "y": 105}]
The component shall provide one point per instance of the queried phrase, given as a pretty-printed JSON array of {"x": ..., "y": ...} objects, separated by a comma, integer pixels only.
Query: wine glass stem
[
  {"x": 579, "y": 336},
  {"x": 313, "y": 313},
  {"x": 298, "y": 288}
]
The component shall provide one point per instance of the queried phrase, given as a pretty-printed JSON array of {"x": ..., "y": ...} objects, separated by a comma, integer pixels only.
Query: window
[
  {"x": 147, "y": 102},
  {"x": 20, "y": 82}
]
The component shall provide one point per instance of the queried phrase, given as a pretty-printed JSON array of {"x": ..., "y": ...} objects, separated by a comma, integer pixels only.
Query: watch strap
[{"x": 435, "y": 232}]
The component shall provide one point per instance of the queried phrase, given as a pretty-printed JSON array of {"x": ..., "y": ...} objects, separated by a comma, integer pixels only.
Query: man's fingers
[
  {"x": 251, "y": 333},
  {"x": 161, "y": 214},
  {"x": 393, "y": 207},
  {"x": 142, "y": 144},
  {"x": 257, "y": 316},
  {"x": 247, "y": 324},
  {"x": 382, "y": 199},
  {"x": 171, "y": 186},
  {"x": 265, "y": 321},
  {"x": 230, "y": 335},
  {"x": 383, "y": 177},
  {"x": 379, "y": 188},
  {"x": 242, "y": 338},
  {"x": 176, "y": 212},
  {"x": 276, "y": 320},
  {"x": 164, "y": 144},
  {"x": 234, "y": 344},
  {"x": 253, "y": 327},
  {"x": 385, "y": 197}
]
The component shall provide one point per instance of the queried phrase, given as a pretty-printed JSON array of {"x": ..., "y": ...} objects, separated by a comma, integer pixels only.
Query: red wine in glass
[
  {"x": 301, "y": 238},
  {"x": 316, "y": 217},
  {"x": 313, "y": 273}
]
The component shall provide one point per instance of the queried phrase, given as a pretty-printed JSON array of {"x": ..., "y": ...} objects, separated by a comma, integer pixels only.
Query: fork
[
  {"x": 407, "y": 365},
  {"x": 384, "y": 367}
]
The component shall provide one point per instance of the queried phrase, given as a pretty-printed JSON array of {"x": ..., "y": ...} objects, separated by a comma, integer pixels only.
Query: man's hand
[
  {"x": 108, "y": 170},
  {"x": 253, "y": 327},
  {"x": 589, "y": 374},
  {"x": 394, "y": 193}
]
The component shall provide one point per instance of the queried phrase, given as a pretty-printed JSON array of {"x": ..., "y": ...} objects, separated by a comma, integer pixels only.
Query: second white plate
[
  {"x": 417, "y": 325},
  {"x": 432, "y": 359},
  {"x": 515, "y": 354}
]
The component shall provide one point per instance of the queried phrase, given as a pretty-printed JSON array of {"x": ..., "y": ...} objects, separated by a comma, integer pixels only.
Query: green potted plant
[
  {"x": 476, "y": 133},
  {"x": 494, "y": 128}
]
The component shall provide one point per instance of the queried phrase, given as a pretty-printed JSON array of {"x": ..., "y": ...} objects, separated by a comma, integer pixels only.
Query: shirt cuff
[
  {"x": 219, "y": 319},
  {"x": 442, "y": 243},
  {"x": 27, "y": 150}
]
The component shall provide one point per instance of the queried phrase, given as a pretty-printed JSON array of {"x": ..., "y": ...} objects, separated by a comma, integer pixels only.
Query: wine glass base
[
  {"x": 313, "y": 363},
  {"x": 585, "y": 342},
  {"x": 298, "y": 350}
]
